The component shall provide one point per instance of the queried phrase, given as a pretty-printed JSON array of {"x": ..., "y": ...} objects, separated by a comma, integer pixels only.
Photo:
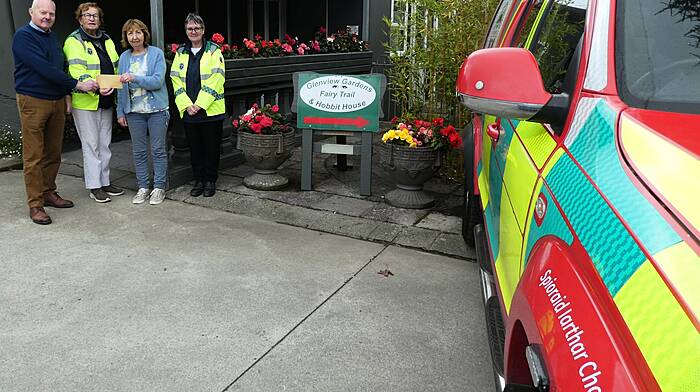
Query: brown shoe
[
  {"x": 56, "y": 201},
  {"x": 39, "y": 216}
]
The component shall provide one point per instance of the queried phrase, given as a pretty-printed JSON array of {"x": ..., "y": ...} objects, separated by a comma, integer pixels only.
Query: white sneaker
[
  {"x": 141, "y": 196},
  {"x": 157, "y": 196}
]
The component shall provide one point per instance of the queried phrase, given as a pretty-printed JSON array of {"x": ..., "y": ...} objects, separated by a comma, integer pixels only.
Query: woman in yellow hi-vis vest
[
  {"x": 90, "y": 52},
  {"x": 197, "y": 75}
]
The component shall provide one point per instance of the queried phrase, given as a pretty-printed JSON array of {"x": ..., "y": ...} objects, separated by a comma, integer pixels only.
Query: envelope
[{"x": 109, "y": 81}]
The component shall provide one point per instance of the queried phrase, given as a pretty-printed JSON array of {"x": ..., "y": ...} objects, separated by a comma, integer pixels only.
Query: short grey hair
[
  {"x": 34, "y": 4},
  {"x": 194, "y": 18}
]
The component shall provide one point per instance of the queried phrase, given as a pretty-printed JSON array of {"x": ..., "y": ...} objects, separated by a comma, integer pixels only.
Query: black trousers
[{"x": 205, "y": 149}]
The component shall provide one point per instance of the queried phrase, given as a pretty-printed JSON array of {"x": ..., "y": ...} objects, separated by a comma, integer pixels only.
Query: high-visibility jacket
[
  {"x": 211, "y": 71},
  {"x": 84, "y": 64}
]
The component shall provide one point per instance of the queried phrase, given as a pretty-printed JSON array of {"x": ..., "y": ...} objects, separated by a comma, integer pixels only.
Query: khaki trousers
[{"x": 42, "y": 140}]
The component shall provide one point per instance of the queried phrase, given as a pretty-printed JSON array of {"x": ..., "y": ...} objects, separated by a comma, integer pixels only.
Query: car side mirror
[{"x": 505, "y": 82}]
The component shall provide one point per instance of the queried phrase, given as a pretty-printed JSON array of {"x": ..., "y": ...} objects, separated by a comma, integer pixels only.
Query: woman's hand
[
  {"x": 69, "y": 105},
  {"x": 106, "y": 91},
  {"x": 126, "y": 78},
  {"x": 122, "y": 122},
  {"x": 193, "y": 109}
]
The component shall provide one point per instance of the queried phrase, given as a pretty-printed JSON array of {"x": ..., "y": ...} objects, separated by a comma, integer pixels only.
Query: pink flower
[
  {"x": 287, "y": 48},
  {"x": 246, "y": 118},
  {"x": 235, "y": 123},
  {"x": 275, "y": 108},
  {"x": 300, "y": 50},
  {"x": 322, "y": 30},
  {"x": 256, "y": 50},
  {"x": 173, "y": 47},
  {"x": 225, "y": 48},
  {"x": 316, "y": 46},
  {"x": 430, "y": 133},
  {"x": 258, "y": 37},
  {"x": 217, "y": 38}
]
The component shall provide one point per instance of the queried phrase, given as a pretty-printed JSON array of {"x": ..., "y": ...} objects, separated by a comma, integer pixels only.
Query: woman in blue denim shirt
[{"x": 142, "y": 105}]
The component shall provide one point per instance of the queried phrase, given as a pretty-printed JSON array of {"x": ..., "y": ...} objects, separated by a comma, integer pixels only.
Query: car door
[{"x": 518, "y": 150}]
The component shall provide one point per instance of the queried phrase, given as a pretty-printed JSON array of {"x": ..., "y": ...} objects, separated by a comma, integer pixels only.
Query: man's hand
[
  {"x": 87, "y": 86},
  {"x": 106, "y": 91},
  {"x": 122, "y": 122},
  {"x": 69, "y": 105}
]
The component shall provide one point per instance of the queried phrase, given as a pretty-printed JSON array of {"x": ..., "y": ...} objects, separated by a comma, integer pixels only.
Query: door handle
[{"x": 494, "y": 131}]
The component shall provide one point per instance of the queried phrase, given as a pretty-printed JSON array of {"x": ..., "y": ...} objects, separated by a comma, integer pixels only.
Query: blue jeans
[{"x": 153, "y": 126}]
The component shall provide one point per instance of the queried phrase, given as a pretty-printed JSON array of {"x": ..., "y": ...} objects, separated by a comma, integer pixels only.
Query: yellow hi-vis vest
[
  {"x": 211, "y": 71},
  {"x": 84, "y": 64}
]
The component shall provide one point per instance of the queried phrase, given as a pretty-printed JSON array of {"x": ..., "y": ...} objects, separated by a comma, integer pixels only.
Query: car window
[
  {"x": 526, "y": 26},
  {"x": 497, "y": 23},
  {"x": 556, "y": 39},
  {"x": 658, "y": 54}
]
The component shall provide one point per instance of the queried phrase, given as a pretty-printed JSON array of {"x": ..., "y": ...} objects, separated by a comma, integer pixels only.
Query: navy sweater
[{"x": 39, "y": 65}]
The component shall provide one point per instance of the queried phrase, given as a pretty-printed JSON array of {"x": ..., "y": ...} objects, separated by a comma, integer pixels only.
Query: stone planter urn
[
  {"x": 265, "y": 153},
  {"x": 411, "y": 168}
]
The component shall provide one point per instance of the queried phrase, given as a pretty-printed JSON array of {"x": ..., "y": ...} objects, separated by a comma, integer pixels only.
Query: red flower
[
  {"x": 455, "y": 140},
  {"x": 258, "y": 37},
  {"x": 266, "y": 121},
  {"x": 225, "y": 48},
  {"x": 275, "y": 108},
  {"x": 257, "y": 128},
  {"x": 439, "y": 122},
  {"x": 218, "y": 38},
  {"x": 263, "y": 43},
  {"x": 235, "y": 123},
  {"x": 322, "y": 30},
  {"x": 173, "y": 47},
  {"x": 394, "y": 119}
]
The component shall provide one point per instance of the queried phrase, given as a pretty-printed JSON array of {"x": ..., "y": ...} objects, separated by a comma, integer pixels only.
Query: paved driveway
[{"x": 177, "y": 297}]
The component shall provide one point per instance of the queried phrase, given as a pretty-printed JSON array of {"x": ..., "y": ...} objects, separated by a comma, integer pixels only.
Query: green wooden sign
[{"x": 338, "y": 102}]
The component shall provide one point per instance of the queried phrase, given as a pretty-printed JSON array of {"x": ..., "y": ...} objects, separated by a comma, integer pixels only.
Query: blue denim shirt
[{"x": 153, "y": 82}]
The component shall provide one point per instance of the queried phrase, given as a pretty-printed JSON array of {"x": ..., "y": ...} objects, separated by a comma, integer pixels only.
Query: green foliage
[
  {"x": 428, "y": 41},
  {"x": 10, "y": 144}
]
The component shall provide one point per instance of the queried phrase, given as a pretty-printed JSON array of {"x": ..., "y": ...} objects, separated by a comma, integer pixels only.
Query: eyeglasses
[
  {"x": 91, "y": 16},
  {"x": 194, "y": 29}
]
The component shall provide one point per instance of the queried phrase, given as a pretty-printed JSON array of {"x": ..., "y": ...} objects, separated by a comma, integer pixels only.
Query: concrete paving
[
  {"x": 333, "y": 206},
  {"x": 182, "y": 297}
]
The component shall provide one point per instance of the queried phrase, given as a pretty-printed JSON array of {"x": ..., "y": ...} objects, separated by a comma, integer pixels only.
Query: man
[{"x": 41, "y": 86}]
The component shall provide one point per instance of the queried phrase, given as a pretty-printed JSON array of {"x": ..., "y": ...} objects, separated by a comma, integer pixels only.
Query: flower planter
[
  {"x": 265, "y": 153},
  {"x": 242, "y": 73},
  {"x": 411, "y": 168}
]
